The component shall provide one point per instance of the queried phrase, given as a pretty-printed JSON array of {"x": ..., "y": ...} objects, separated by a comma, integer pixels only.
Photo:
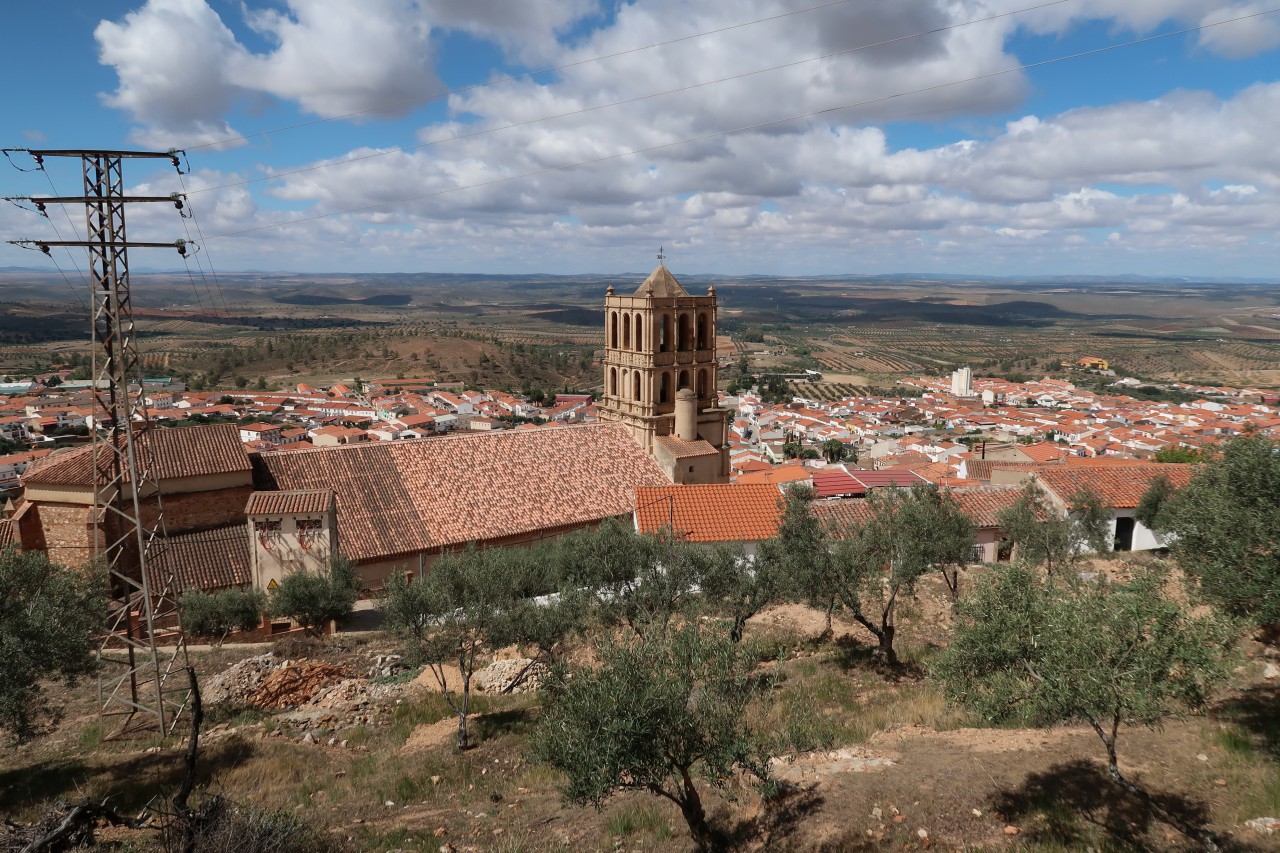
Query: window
[
  {"x": 613, "y": 332},
  {"x": 268, "y": 531},
  {"x": 664, "y": 388},
  {"x": 626, "y": 333},
  {"x": 309, "y": 531},
  {"x": 702, "y": 331},
  {"x": 613, "y": 381},
  {"x": 684, "y": 342},
  {"x": 635, "y": 381},
  {"x": 639, "y": 333}
]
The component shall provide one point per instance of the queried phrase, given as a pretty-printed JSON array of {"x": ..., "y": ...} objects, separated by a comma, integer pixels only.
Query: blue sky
[{"x": 1155, "y": 159}]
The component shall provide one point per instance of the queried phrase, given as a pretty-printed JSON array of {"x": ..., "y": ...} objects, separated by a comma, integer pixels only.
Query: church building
[{"x": 660, "y": 375}]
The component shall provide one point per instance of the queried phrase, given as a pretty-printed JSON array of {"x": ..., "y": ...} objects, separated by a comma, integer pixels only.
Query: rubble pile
[
  {"x": 386, "y": 666},
  {"x": 295, "y": 683},
  {"x": 238, "y": 682},
  {"x": 500, "y": 675},
  {"x": 350, "y": 702}
]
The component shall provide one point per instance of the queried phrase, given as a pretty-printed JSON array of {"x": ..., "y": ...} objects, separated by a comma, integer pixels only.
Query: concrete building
[{"x": 962, "y": 382}]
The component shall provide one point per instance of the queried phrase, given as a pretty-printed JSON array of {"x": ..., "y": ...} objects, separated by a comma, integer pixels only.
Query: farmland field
[{"x": 859, "y": 332}]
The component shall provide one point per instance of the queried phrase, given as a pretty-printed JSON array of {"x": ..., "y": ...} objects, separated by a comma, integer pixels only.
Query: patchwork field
[{"x": 543, "y": 330}]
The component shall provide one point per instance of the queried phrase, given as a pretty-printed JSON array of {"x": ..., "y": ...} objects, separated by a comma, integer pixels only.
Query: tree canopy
[
  {"x": 880, "y": 558},
  {"x": 315, "y": 600},
  {"x": 1045, "y": 536},
  {"x": 660, "y": 712},
  {"x": 1225, "y": 527},
  {"x": 49, "y": 616},
  {"x": 214, "y": 615},
  {"x": 1107, "y": 654}
]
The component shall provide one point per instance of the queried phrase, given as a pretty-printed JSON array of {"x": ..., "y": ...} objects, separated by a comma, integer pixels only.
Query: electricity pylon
[{"x": 150, "y": 691}]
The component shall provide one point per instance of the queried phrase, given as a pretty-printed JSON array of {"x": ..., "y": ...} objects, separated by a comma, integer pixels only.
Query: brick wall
[{"x": 202, "y": 510}]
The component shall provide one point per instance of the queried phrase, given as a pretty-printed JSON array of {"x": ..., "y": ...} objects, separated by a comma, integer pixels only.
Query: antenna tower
[{"x": 143, "y": 637}]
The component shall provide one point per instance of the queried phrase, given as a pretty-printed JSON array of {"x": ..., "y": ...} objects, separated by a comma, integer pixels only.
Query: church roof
[
  {"x": 199, "y": 451},
  {"x": 663, "y": 284},
  {"x": 400, "y": 497}
]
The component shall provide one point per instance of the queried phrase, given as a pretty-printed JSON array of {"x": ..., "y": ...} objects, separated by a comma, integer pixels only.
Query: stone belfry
[{"x": 660, "y": 376}]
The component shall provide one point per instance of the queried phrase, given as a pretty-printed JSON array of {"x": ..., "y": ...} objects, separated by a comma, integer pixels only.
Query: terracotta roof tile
[
  {"x": 310, "y": 501},
  {"x": 402, "y": 497},
  {"x": 711, "y": 513},
  {"x": 888, "y": 477},
  {"x": 681, "y": 449},
  {"x": 780, "y": 474},
  {"x": 982, "y": 504},
  {"x": 1120, "y": 487},
  {"x": 208, "y": 559},
  {"x": 174, "y": 453},
  {"x": 837, "y": 482}
]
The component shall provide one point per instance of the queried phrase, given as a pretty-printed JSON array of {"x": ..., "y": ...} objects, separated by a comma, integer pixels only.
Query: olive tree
[
  {"x": 1106, "y": 654},
  {"x": 214, "y": 615},
  {"x": 637, "y": 580},
  {"x": 1225, "y": 527},
  {"x": 739, "y": 587},
  {"x": 1044, "y": 536},
  {"x": 451, "y": 613},
  {"x": 799, "y": 556},
  {"x": 49, "y": 616},
  {"x": 665, "y": 712},
  {"x": 314, "y": 600},
  {"x": 879, "y": 558}
]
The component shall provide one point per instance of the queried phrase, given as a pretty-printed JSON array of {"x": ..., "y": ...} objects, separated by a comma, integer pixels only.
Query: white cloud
[
  {"x": 172, "y": 58},
  {"x": 1244, "y": 38},
  {"x": 1185, "y": 170},
  {"x": 181, "y": 69}
]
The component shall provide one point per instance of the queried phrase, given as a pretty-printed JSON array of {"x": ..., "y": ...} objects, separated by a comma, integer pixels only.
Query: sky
[{"x": 773, "y": 137}]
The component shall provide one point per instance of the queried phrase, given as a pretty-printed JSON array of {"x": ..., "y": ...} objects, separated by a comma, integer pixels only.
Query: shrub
[
  {"x": 315, "y": 600},
  {"x": 215, "y": 615}
]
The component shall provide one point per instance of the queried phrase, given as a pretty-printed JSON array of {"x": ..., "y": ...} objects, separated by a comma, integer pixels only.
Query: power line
[
  {"x": 82, "y": 301},
  {"x": 200, "y": 233},
  {"x": 638, "y": 98},
  {"x": 742, "y": 129},
  {"x": 524, "y": 76}
]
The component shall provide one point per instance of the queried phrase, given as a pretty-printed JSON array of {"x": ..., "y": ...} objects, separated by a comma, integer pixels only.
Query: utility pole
[{"x": 149, "y": 690}]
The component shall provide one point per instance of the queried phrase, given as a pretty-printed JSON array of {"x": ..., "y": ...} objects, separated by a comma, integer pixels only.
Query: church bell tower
[{"x": 660, "y": 375}]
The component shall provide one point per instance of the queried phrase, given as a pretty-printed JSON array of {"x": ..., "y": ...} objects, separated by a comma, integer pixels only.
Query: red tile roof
[
  {"x": 781, "y": 474},
  {"x": 888, "y": 477},
  {"x": 311, "y": 502},
  {"x": 835, "y": 482},
  {"x": 207, "y": 559},
  {"x": 1042, "y": 452},
  {"x": 980, "y": 469},
  {"x": 681, "y": 449},
  {"x": 403, "y": 497},
  {"x": 1120, "y": 487},
  {"x": 982, "y": 504},
  {"x": 711, "y": 513},
  {"x": 174, "y": 453}
]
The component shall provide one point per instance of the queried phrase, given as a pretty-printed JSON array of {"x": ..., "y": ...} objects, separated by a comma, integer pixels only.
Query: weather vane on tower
[{"x": 661, "y": 256}]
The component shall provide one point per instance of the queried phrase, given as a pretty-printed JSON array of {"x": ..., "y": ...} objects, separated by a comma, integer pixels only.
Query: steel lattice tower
[{"x": 149, "y": 691}]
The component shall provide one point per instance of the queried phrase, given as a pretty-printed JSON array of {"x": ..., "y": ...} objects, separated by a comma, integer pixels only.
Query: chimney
[{"x": 686, "y": 415}]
